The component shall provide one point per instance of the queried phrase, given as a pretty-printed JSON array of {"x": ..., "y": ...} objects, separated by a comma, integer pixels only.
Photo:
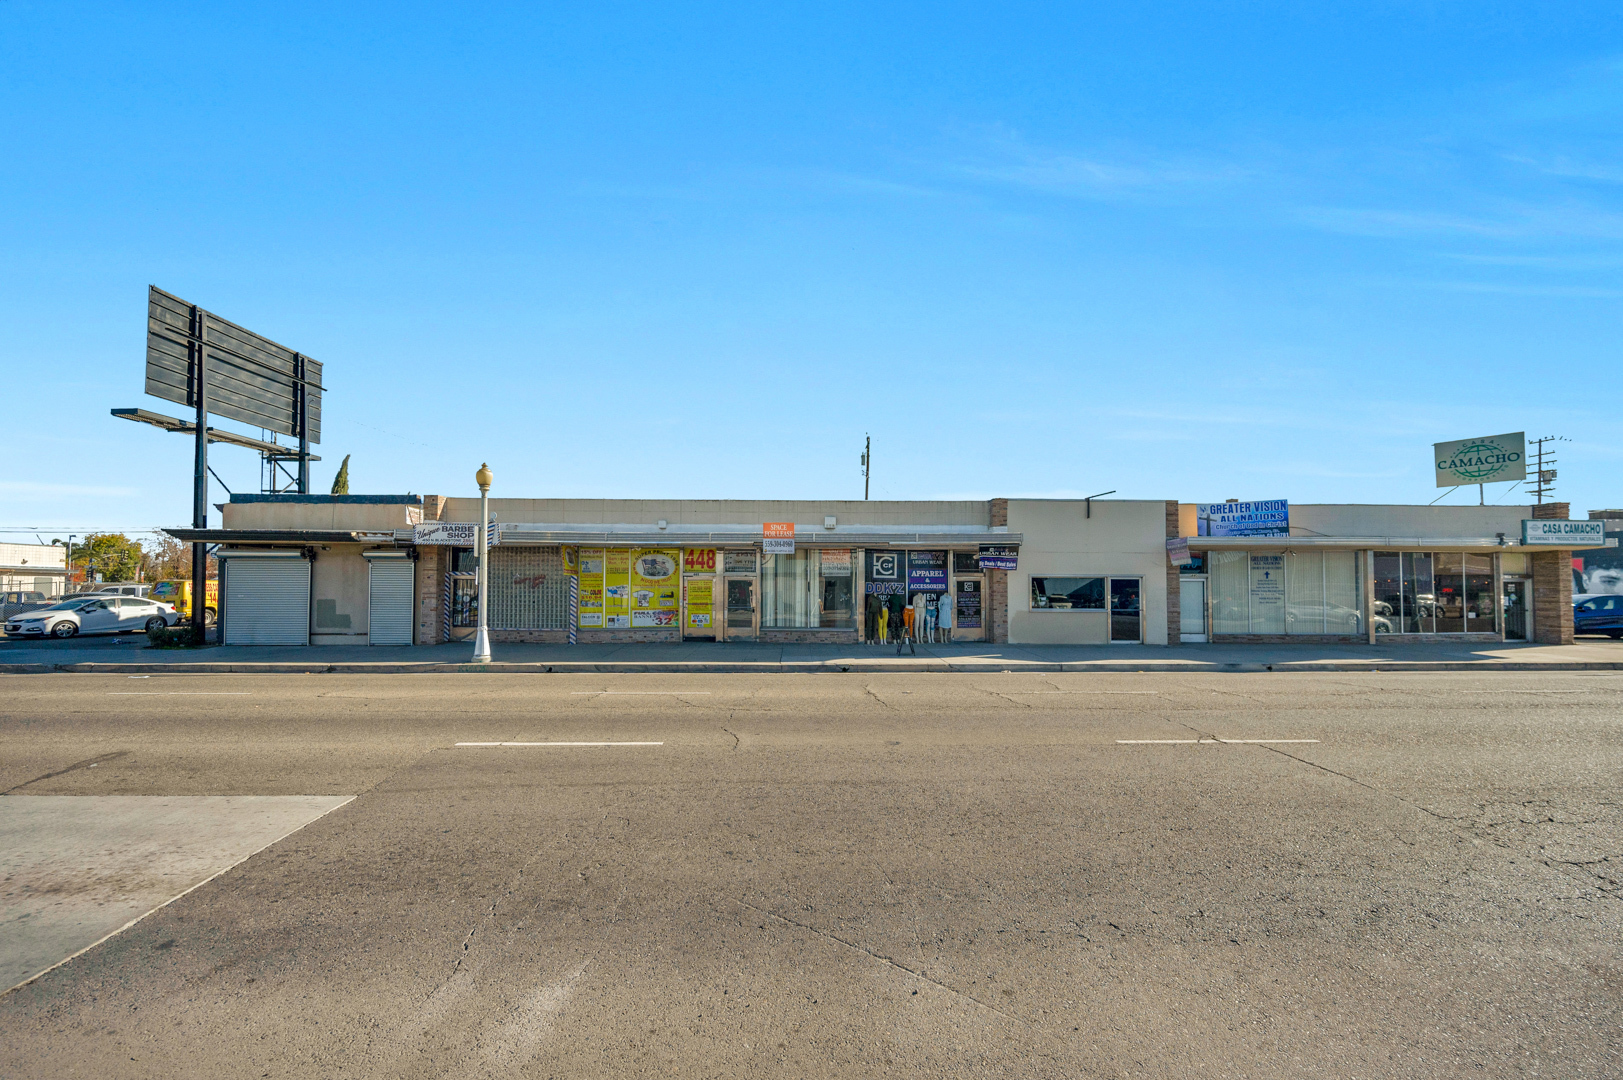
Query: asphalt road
[{"x": 854, "y": 875}]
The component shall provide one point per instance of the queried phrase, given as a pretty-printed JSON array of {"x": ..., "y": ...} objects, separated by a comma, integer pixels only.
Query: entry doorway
[
  {"x": 1126, "y": 616},
  {"x": 741, "y": 621},
  {"x": 1518, "y": 609},
  {"x": 1192, "y": 609}
]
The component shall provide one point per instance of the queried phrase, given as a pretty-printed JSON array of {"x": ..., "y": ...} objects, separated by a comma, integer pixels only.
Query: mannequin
[
  {"x": 883, "y": 621},
  {"x": 908, "y": 627},
  {"x": 920, "y": 603},
  {"x": 930, "y": 616},
  {"x": 944, "y": 616}
]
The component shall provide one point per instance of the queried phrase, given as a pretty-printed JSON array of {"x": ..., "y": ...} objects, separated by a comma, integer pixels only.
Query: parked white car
[{"x": 92, "y": 615}]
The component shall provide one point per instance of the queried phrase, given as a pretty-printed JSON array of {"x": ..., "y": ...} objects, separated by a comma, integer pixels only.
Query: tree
[
  {"x": 166, "y": 559},
  {"x": 340, "y": 483},
  {"x": 108, "y": 557}
]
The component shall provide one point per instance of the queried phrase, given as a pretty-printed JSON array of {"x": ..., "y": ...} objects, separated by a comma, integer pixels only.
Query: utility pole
[
  {"x": 1545, "y": 463},
  {"x": 867, "y": 453}
]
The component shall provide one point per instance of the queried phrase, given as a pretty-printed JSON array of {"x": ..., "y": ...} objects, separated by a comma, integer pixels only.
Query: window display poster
[
  {"x": 926, "y": 572},
  {"x": 739, "y": 562},
  {"x": 701, "y": 606},
  {"x": 617, "y": 589},
  {"x": 836, "y": 562},
  {"x": 654, "y": 587},
  {"x": 1267, "y": 587},
  {"x": 969, "y": 605},
  {"x": 698, "y": 560},
  {"x": 590, "y": 567}
]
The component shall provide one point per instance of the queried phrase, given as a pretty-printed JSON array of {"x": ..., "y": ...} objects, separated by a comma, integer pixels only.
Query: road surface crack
[
  {"x": 890, "y": 961},
  {"x": 85, "y": 764}
]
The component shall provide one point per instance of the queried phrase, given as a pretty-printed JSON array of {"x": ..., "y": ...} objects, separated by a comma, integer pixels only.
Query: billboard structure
[
  {"x": 1484, "y": 460},
  {"x": 213, "y": 366}
]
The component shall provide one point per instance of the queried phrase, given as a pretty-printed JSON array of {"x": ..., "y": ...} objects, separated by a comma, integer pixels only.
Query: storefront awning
[{"x": 844, "y": 536}]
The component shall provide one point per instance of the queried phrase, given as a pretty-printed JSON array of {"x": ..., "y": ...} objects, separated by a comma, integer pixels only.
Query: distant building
[{"x": 33, "y": 567}]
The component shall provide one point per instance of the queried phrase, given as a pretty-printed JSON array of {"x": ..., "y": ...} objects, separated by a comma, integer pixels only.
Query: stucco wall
[
  {"x": 1126, "y": 538},
  {"x": 806, "y": 514},
  {"x": 1376, "y": 519}
]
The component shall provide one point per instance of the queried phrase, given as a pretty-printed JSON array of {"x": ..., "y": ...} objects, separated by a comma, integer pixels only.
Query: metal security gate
[
  {"x": 267, "y": 599},
  {"x": 390, "y": 589}
]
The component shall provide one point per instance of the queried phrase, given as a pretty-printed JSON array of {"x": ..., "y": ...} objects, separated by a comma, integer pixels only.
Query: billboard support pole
[
  {"x": 200, "y": 481},
  {"x": 299, "y": 401}
]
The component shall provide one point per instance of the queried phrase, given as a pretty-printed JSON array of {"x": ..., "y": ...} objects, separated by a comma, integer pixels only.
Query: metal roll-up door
[
  {"x": 267, "y": 601},
  {"x": 389, "y": 620}
]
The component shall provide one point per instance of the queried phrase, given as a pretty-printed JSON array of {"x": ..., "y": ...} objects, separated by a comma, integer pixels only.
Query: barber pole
[
  {"x": 445, "y": 610},
  {"x": 574, "y": 606}
]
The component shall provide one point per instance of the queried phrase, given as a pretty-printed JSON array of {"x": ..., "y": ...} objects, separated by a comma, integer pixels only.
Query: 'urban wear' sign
[
  {"x": 450, "y": 533},
  {"x": 999, "y": 557},
  {"x": 1567, "y": 534},
  {"x": 1270, "y": 517},
  {"x": 1487, "y": 460}
]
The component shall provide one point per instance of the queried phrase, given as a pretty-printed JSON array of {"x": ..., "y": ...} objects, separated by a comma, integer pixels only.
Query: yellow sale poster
[
  {"x": 617, "y": 589},
  {"x": 701, "y": 607},
  {"x": 655, "y": 582},
  {"x": 590, "y": 567}
]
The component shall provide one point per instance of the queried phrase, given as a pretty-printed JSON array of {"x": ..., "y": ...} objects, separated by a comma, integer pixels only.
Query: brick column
[
  {"x": 997, "y": 583},
  {"x": 429, "y": 624},
  {"x": 1552, "y": 585},
  {"x": 433, "y": 506},
  {"x": 1174, "y": 582}
]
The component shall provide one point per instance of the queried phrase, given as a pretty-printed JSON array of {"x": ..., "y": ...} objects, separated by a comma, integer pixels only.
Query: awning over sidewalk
[
  {"x": 283, "y": 536},
  {"x": 844, "y": 536}
]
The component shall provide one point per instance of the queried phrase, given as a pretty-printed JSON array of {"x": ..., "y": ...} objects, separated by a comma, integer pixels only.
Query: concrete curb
[{"x": 810, "y": 667}]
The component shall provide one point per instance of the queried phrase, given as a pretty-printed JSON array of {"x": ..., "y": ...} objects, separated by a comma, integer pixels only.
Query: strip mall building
[{"x": 398, "y": 570}]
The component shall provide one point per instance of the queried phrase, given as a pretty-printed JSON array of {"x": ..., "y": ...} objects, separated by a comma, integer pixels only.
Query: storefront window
[
  {"x": 1449, "y": 584},
  {"x": 1231, "y": 599},
  {"x": 1322, "y": 593},
  {"x": 1067, "y": 593},
  {"x": 1480, "y": 607},
  {"x": 796, "y": 594},
  {"x": 1290, "y": 592},
  {"x": 1434, "y": 592}
]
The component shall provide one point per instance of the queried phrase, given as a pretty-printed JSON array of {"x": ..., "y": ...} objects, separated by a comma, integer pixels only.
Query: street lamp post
[{"x": 481, "y": 639}]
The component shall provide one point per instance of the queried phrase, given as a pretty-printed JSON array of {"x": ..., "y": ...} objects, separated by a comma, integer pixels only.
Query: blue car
[{"x": 1601, "y": 614}]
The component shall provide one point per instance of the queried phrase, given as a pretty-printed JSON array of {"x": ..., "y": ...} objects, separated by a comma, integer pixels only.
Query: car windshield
[{"x": 70, "y": 605}]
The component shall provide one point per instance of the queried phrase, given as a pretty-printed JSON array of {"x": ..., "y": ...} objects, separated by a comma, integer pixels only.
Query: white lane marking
[
  {"x": 1191, "y": 742},
  {"x": 1585, "y": 690},
  {"x": 638, "y": 693},
  {"x": 560, "y": 744},
  {"x": 180, "y": 693},
  {"x": 1081, "y": 691}
]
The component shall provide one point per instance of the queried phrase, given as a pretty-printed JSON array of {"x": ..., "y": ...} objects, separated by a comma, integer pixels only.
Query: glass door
[
  {"x": 1518, "y": 609},
  {"x": 1192, "y": 608},
  {"x": 1124, "y": 610},
  {"x": 741, "y": 615}
]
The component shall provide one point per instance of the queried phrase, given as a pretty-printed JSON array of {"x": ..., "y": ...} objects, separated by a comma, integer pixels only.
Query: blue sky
[{"x": 1222, "y": 250}]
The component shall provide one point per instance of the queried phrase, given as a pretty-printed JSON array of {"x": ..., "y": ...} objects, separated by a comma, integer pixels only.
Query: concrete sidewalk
[{"x": 130, "y": 655}]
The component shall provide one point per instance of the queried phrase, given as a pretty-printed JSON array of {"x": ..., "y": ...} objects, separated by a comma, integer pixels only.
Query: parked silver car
[
  {"x": 18, "y": 600},
  {"x": 92, "y": 615}
]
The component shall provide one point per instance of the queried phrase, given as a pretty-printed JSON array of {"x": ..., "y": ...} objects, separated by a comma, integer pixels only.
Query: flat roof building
[{"x": 400, "y": 569}]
